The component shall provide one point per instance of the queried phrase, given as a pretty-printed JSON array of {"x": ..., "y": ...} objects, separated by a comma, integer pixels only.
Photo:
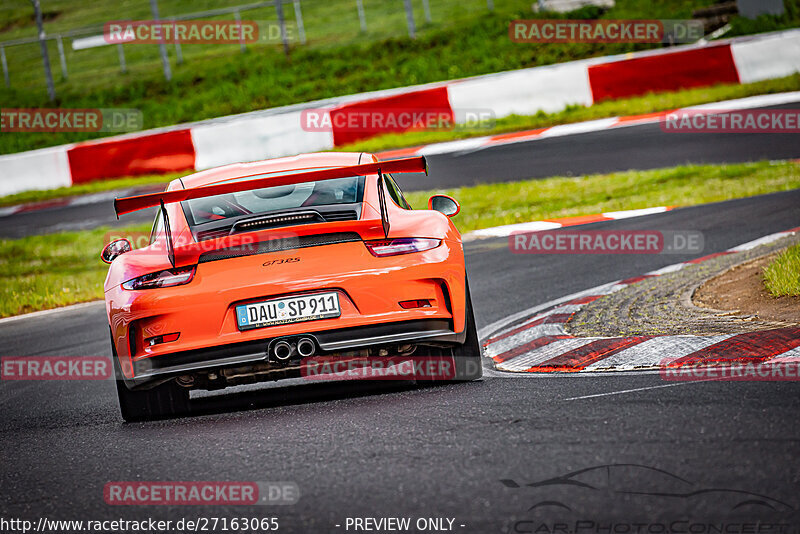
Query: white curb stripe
[
  {"x": 792, "y": 355},
  {"x": 517, "y": 340},
  {"x": 652, "y": 352},
  {"x": 542, "y": 354},
  {"x": 627, "y": 214}
]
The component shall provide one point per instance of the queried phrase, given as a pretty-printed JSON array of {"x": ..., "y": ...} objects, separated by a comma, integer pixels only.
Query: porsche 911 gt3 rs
[{"x": 254, "y": 268}]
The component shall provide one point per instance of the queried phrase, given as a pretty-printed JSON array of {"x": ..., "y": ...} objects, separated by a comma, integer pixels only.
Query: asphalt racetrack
[
  {"x": 644, "y": 146},
  {"x": 708, "y": 454}
]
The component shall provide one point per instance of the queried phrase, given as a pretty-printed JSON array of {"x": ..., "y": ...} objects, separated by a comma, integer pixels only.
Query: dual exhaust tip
[{"x": 283, "y": 349}]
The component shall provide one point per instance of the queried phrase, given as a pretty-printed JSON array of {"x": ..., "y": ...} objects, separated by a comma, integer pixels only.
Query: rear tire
[
  {"x": 468, "y": 356},
  {"x": 165, "y": 400}
]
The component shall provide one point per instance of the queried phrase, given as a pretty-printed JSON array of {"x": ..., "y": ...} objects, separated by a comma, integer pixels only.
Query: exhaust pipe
[
  {"x": 282, "y": 351},
  {"x": 306, "y": 347}
]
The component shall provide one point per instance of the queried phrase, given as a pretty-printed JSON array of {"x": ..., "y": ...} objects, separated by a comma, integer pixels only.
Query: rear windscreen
[{"x": 261, "y": 201}]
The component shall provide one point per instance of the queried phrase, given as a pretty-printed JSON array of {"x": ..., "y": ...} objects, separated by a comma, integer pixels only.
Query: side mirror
[
  {"x": 114, "y": 249},
  {"x": 444, "y": 204}
]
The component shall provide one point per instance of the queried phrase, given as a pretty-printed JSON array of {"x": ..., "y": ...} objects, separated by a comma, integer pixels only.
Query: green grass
[
  {"x": 216, "y": 80},
  {"x": 48, "y": 271},
  {"x": 87, "y": 188},
  {"x": 508, "y": 203},
  {"x": 782, "y": 276},
  {"x": 650, "y": 103},
  {"x": 41, "y": 272}
]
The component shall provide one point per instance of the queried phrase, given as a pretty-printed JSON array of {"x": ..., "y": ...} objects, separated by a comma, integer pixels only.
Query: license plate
[{"x": 288, "y": 310}]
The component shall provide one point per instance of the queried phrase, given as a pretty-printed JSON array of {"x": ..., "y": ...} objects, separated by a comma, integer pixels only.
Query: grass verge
[
  {"x": 489, "y": 205},
  {"x": 48, "y": 271},
  {"x": 782, "y": 276}
]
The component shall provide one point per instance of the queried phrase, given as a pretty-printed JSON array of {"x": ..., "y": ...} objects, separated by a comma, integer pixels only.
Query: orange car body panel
[{"x": 369, "y": 288}]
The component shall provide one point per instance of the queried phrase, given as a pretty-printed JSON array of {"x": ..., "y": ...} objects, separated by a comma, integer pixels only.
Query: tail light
[
  {"x": 411, "y": 304},
  {"x": 395, "y": 247},
  {"x": 165, "y": 278}
]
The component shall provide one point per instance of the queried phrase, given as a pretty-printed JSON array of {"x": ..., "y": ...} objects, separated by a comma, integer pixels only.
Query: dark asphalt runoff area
[
  {"x": 660, "y": 457},
  {"x": 634, "y": 147}
]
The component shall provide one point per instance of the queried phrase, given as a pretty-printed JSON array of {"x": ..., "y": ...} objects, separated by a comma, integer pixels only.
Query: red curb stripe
[
  {"x": 645, "y": 117},
  {"x": 517, "y": 135},
  {"x": 57, "y": 203},
  {"x": 584, "y": 300},
  {"x": 629, "y": 281},
  {"x": 580, "y": 358},
  {"x": 556, "y": 318},
  {"x": 527, "y": 347},
  {"x": 710, "y": 256},
  {"x": 399, "y": 153},
  {"x": 580, "y": 219},
  {"x": 515, "y": 331},
  {"x": 752, "y": 347}
]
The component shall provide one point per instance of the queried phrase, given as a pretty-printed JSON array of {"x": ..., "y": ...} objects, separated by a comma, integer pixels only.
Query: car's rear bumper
[
  {"x": 203, "y": 312},
  {"x": 156, "y": 369}
]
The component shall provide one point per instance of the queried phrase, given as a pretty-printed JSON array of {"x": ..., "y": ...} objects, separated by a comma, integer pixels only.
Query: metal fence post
[
  {"x": 121, "y": 54},
  {"x": 427, "y": 9},
  {"x": 61, "y": 56},
  {"x": 362, "y": 19},
  {"x": 298, "y": 15},
  {"x": 490, "y": 4},
  {"x": 282, "y": 22},
  {"x": 412, "y": 29},
  {"x": 178, "y": 52},
  {"x": 161, "y": 47},
  {"x": 5, "y": 66},
  {"x": 48, "y": 74},
  {"x": 238, "y": 18}
]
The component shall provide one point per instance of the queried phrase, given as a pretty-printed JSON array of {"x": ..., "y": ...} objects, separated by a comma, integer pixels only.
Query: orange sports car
[{"x": 254, "y": 268}]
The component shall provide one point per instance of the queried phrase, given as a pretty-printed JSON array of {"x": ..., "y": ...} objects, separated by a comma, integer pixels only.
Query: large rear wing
[
  {"x": 140, "y": 202},
  {"x": 130, "y": 204}
]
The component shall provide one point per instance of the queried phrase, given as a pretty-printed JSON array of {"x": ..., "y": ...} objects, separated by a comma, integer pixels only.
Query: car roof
[{"x": 303, "y": 161}]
